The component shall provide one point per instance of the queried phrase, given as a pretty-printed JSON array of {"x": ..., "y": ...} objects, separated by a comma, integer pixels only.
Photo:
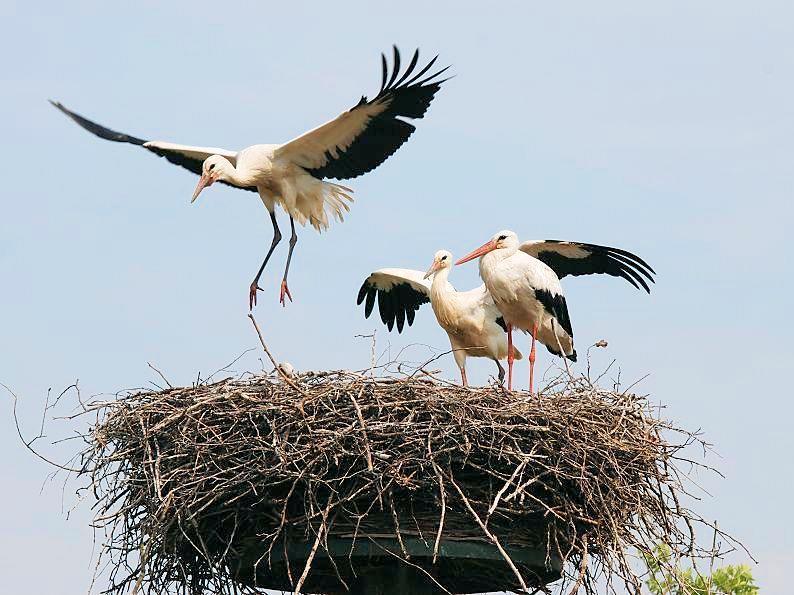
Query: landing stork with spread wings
[
  {"x": 294, "y": 174},
  {"x": 524, "y": 281},
  {"x": 474, "y": 325}
]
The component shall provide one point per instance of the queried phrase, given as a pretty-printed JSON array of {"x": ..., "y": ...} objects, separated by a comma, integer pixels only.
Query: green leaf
[{"x": 734, "y": 579}]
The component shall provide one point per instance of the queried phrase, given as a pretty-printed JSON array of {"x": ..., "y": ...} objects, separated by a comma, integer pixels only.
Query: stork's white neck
[
  {"x": 235, "y": 176},
  {"x": 439, "y": 286},
  {"x": 442, "y": 300},
  {"x": 493, "y": 258}
]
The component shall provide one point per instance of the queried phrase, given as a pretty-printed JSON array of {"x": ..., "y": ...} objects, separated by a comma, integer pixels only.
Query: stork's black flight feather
[
  {"x": 387, "y": 131},
  {"x": 576, "y": 258},
  {"x": 397, "y": 303}
]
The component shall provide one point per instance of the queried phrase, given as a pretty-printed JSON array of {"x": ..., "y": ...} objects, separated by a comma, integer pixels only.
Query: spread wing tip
[
  {"x": 97, "y": 129},
  {"x": 362, "y": 293},
  {"x": 392, "y": 83},
  {"x": 371, "y": 131},
  {"x": 62, "y": 108}
]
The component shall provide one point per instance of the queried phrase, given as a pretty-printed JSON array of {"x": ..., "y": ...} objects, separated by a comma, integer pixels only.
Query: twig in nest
[
  {"x": 494, "y": 539},
  {"x": 160, "y": 374},
  {"x": 443, "y": 492},
  {"x": 28, "y": 443},
  {"x": 281, "y": 372},
  {"x": 316, "y": 544},
  {"x": 370, "y": 466},
  {"x": 582, "y": 568}
]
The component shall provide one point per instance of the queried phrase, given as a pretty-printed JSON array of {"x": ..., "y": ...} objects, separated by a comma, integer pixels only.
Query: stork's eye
[
  {"x": 444, "y": 257},
  {"x": 502, "y": 237},
  {"x": 212, "y": 166}
]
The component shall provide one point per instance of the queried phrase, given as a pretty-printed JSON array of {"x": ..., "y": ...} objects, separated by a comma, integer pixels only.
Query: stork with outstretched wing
[
  {"x": 294, "y": 174},
  {"x": 524, "y": 281},
  {"x": 473, "y": 323}
]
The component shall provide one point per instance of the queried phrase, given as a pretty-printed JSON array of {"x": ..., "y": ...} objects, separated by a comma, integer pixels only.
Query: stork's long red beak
[
  {"x": 484, "y": 249},
  {"x": 204, "y": 181}
]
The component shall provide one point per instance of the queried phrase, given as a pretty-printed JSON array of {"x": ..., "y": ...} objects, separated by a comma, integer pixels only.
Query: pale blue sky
[{"x": 667, "y": 130}]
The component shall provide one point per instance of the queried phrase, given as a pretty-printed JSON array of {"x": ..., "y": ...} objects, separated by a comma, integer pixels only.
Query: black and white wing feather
[
  {"x": 576, "y": 258},
  {"x": 362, "y": 138},
  {"x": 399, "y": 293},
  {"x": 191, "y": 158}
]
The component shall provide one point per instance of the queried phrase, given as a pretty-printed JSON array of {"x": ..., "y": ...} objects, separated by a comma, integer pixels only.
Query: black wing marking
[
  {"x": 190, "y": 163},
  {"x": 555, "y": 305},
  {"x": 385, "y": 132},
  {"x": 396, "y": 305},
  {"x": 575, "y": 258}
]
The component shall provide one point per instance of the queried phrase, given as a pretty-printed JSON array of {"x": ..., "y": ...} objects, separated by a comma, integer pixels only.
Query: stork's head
[
  {"x": 504, "y": 240},
  {"x": 442, "y": 260},
  {"x": 213, "y": 169}
]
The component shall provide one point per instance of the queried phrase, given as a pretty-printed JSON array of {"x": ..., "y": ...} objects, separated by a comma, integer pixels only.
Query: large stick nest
[{"x": 214, "y": 488}]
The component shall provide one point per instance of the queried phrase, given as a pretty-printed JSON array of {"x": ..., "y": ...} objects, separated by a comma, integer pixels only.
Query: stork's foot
[
  {"x": 252, "y": 295},
  {"x": 284, "y": 292}
]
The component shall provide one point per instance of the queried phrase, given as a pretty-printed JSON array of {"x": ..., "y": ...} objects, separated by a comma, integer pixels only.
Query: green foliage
[{"x": 666, "y": 579}]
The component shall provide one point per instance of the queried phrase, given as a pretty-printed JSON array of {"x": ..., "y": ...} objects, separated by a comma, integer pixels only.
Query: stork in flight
[
  {"x": 524, "y": 281},
  {"x": 474, "y": 325},
  {"x": 293, "y": 174}
]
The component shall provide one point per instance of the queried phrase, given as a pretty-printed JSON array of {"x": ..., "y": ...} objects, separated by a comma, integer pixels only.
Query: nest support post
[
  {"x": 396, "y": 580},
  {"x": 384, "y": 566}
]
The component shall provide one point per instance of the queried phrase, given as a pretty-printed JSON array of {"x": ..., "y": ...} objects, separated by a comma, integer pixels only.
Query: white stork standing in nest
[
  {"x": 524, "y": 281},
  {"x": 473, "y": 323},
  {"x": 293, "y": 174}
]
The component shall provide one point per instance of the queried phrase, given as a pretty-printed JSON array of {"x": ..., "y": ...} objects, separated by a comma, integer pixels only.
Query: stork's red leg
[
  {"x": 292, "y": 241},
  {"x": 255, "y": 283},
  {"x": 532, "y": 358},
  {"x": 463, "y": 377},
  {"x": 510, "y": 357}
]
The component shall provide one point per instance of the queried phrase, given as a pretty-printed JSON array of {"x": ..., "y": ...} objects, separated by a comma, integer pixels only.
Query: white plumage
[
  {"x": 293, "y": 174},
  {"x": 279, "y": 181},
  {"x": 470, "y": 318},
  {"x": 529, "y": 296},
  {"x": 524, "y": 282}
]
